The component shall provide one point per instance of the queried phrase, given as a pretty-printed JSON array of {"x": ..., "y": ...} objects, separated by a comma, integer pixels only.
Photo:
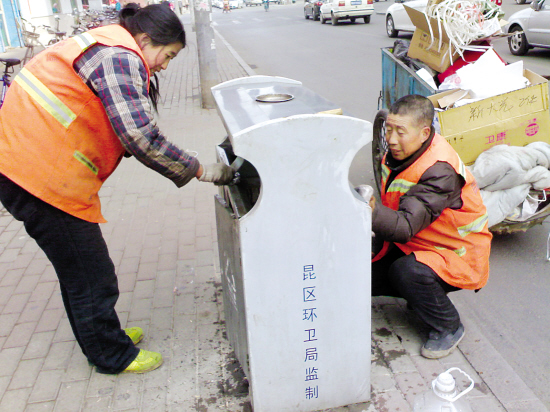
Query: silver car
[{"x": 531, "y": 28}]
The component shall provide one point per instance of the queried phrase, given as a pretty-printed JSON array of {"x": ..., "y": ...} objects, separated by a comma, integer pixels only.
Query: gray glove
[{"x": 217, "y": 173}]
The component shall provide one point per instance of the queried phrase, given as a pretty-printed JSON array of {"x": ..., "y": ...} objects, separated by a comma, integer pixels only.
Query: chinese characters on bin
[{"x": 309, "y": 316}]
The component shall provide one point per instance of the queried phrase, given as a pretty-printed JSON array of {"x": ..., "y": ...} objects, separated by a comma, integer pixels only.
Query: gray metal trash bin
[{"x": 294, "y": 242}]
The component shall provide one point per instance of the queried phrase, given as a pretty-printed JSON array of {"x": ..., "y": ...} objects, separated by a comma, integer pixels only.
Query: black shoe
[{"x": 438, "y": 346}]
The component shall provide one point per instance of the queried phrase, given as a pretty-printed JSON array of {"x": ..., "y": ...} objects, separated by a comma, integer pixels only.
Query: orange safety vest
[
  {"x": 458, "y": 243},
  {"x": 56, "y": 140}
]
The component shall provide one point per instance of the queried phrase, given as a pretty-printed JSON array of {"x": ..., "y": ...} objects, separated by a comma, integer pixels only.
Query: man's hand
[
  {"x": 217, "y": 173},
  {"x": 372, "y": 203}
]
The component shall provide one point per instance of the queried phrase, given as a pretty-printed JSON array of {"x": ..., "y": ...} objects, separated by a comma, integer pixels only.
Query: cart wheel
[{"x": 379, "y": 145}]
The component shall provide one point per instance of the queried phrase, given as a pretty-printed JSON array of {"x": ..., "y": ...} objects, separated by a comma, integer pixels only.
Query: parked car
[
  {"x": 252, "y": 3},
  {"x": 351, "y": 10},
  {"x": 312, "y": 8},
  {"x": 397, "y": 18},
  {"x": 236, "y": 4},
  {"x": 531, "y": 28}
]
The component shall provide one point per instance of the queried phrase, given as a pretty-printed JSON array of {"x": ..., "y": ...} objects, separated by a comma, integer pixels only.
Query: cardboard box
[
  {"x": 429, "y": 50},
  {"x": 516, "y": 118}
]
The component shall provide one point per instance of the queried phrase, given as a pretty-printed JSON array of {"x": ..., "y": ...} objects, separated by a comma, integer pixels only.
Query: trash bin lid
[{"x": 248, "y": 103}]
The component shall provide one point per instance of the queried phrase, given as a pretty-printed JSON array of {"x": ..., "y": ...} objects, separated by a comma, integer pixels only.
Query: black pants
[
  {"x": 86, "y": 274},
  {"x": 402, "y": 276}
]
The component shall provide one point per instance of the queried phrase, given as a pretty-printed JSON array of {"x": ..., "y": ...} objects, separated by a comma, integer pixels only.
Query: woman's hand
[{"x": 217, "y": 173}]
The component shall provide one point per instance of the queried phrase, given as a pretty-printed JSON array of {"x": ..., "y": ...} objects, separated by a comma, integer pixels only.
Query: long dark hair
[{"x": 162, "y": 26}]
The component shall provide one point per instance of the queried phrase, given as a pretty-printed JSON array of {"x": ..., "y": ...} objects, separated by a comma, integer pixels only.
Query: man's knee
[{"x": 407, "y": 271}]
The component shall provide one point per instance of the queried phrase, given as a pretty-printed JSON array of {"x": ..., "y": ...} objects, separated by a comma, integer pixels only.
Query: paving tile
[
  {"x": 22, "y": 260},
  {"x": 167, "y": 261},
  {"x": 71, "y": 396},
  {"x": 64, "y": 331},
  {"x": 39, "y": 345},
  {"x": 78, "y": 368},
  {"x": 47, "y": 386},
  {"x": 59, "y": 355},
  {"x": 411, "y": 384},
  {"x": 98, "y": 404},
  {"x": 8, "y": 255},
  {"x": 149, "y": 254},
  {"x": 37, "y": 266},
  {"x": 101, "y": 385},
  {"x": 163, "y": 297},
  {"x": 126, "y": 282},
  {"x": 127, "y": 392},
  {"x": 43, "y": 291},
  {"x": 26, "y": 373},
  {"x": 147, "y": 271},
  {"x": 166, "y": 279},
  {"x": 40, "y": 407},
  {"x": 141, "y": 309},
  {"x": 154, "y": 399},
  {"x": 33, "y": 311},
  {"x": 124, "y": 302},
  {"x": 9, "y": 359},
  {"x": 55, "y": 301},
  {"x": 128, "y": 265},
  {"x": 15, "y": 400},
  {"x": 16, "y": 303},
  {"x": 144, "y": 289},
  {"x": 49, "y": 274},
  {"x": 49, "y": 321},
  {"x": 11, "y": 277},
  {"x": 20, "y": 335},
  {"x": 4, "y": 382},
  {"x": 7, "y": 323}
]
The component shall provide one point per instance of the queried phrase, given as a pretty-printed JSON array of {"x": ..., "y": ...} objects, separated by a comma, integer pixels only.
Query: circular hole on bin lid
[{"x": 274, "y": 98}]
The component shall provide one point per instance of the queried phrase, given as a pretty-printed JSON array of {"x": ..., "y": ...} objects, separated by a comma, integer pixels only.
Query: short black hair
[{"x": 417, "y": 106}]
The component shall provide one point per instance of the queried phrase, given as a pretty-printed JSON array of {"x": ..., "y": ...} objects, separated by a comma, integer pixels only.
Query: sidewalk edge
[{"x": 249, "y": 71}]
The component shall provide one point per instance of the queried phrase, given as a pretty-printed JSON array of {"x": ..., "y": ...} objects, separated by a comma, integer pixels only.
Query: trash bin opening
[{"x": 243, "y": 196}]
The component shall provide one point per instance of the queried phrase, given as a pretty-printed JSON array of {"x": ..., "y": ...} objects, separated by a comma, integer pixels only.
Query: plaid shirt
[{"x": 119, "y": 78}]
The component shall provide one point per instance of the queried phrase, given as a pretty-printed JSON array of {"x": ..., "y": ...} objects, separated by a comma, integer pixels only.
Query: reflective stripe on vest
[
  {"x": 45, "y": 98},
  {"x": 86, "y": 162},
  {"x": 475, "y": 227},
  {"x": 400, "y": 185},
  {"x": 460, "y": 252},
  {"x": 461, "y": 168},
  {"x": 85, "y": 40}
]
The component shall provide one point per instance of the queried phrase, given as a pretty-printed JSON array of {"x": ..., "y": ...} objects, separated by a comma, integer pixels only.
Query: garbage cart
[
  {"x": 399, "y": 80},
  {"x": 295, "y": 245}
]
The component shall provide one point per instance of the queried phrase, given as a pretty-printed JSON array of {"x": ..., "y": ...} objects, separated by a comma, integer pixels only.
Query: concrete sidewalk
[{"x": 163, "y": 243}]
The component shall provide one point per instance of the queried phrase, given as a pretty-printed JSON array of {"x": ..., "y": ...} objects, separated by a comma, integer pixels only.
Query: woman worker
[{"x": 69, "y": 117}]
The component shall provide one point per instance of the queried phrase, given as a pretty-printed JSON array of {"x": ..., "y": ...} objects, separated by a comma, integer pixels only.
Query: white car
[
  {"x": 236, "y": 4},
  {"x": 531, "y": 28},
  {"x": 335, "y": 10},
  {"x": 397, "y": 18}
]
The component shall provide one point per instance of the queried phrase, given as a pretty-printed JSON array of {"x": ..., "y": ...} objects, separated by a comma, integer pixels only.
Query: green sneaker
[
  {"x": 144, "y": 362},
  {"x": 135, "y": 333}
]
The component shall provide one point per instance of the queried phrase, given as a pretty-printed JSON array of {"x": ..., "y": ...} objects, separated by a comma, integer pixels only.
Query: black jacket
[{"x": 439, "y": 188}]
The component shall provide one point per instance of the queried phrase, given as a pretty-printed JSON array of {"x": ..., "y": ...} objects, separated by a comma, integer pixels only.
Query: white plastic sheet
[{"x": 505, "y": 174}]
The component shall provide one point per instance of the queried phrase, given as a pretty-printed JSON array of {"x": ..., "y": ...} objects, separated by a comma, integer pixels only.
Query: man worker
[{"x": 432, "y": 222}]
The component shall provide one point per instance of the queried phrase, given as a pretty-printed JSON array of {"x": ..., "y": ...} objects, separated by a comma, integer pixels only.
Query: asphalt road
[{"x": 343, "y": 64}]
